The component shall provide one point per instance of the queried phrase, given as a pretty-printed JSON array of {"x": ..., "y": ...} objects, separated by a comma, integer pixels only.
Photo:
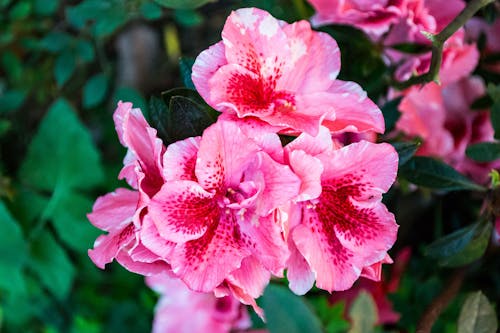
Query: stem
[
  {"x": 440, "y": 303},
  {"x": 438, "y": 41}
]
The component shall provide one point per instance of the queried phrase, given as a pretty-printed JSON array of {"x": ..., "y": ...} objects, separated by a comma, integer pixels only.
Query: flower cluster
[
  {"x": 397, "y": 23},
  {"x": 226, "y": 211}
]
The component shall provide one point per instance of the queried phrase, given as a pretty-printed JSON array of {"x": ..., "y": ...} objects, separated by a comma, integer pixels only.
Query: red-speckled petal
[
  {"x": 179, "y": 160},
  {"x": 183, "y": 211}
]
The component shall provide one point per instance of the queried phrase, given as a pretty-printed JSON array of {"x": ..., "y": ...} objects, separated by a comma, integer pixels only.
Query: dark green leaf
[
  {"x": 481, "y": 103},
  {"x": 95, "y": 90},
  {"x": 20, "y": 10},
  {"x": 61, "y": 155},
  {"x": 13, "y": 252},
  {"x": 46, "y": 7},
  {"x": 85, "y": 50},
  {"x": 50, "y": 262},
  {"x": 64, "y": 67},
  {"x": 287, "y": 313},
  {"x": 363, "y": 314},
  {"x": 477, "y": 315},
  {"x": 188, "y": 118},
  {"x": 188, "y": 17},
  {"x": 484, "y": 151},
  {"x": 12, "y": 100},
  {"x": 391, "y": 113},
  {"x": 159, "y": 118},
  {"x": 185, "y": 66},
  {"x": 405, "y": 150},
  {"x": 71, "y": 224},
  {"x": 431, "y": 173},
  {"x": 462, "y": 246},
  {"x": 151, "y": 11},
  {"x": 495, "y": 118},
  {"x": 411, "y": 48},
  {"x": 56, "y": 41},
  {"x": 183, "y": 4}
]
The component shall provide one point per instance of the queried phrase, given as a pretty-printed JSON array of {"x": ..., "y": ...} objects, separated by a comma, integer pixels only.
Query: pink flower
[
  {"x": 442, "y": 118},
  {"x": 459, "y": 60},
  {"x": 217, "y": 209},
  {"x": 339, "y": 229},
  {"x": 121, "y": 213},
  {"x": 475, "y": 27},
  {"x": 373, "y": 17},
  {"x": 282, "y": 77},
  {"x": 181, "y": 310}
]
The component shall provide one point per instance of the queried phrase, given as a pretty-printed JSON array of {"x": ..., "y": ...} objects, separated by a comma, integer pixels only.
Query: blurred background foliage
[{"x": 63, "y": 67}]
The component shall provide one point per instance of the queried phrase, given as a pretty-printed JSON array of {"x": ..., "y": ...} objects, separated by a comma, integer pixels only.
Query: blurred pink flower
[
  {"x": 441, "y": 116},
  {"x": 281, "y": 76},
  {"x": 373, "y": 17},
  {"x": 121, "y": 213},
  {"x": 475, "y": 27},
  {"x": 217, "y": 208},
  {"x": 181, "y": 310},
  {"x": 378, "y": 290},
  {"x": 339, "y": 229}
]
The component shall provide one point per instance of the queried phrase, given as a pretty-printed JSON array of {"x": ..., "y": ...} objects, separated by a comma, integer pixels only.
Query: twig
[
  {"x": 438, "y": 41},
  {"x": 441, "y": 302}
]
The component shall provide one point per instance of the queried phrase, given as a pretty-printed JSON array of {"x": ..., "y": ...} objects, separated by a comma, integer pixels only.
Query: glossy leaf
[
  {"x": 64, "y": 67},
  {"x": 484, "y": 151},
  {"x": 405, "y": 150},
  {"x": 62, "y": 154},
  {"x": 52, "y": 265},
  {"x": 462, "y": 246},
  {"x": 363, "y": 314},
  {"x": 287, "y": 313},
  {"x": 391, "y": 113},
  {"x": 431, "y": 173},
  {"x": 95, "y": 90},
  {"x": 183, "y": 4},
  {"x": 151, "y": 11},
  {"x": 13, "y": 252},
  {"x": 477, "y": 315},
  {"x": 185, "y": 66}
]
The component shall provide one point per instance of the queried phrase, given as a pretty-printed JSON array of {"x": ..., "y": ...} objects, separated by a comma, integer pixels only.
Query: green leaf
[
  {"x": 405, "y": 150},
  {"x": 62, "y": 154},
  {"x": 127, "y": 94},
  {"x": 20, "y": 10},
  {"x": 183, "y": 4},
  {"x": 495, "y": 118},
  {"x": 72, "y": 225},
  {"x": 13, "y": 252},
  {"x": 95, "y": 90},
  {"x": 188, "y": 17},
  {"x": 331, "y": 315},
  {"x": 287, "y": 313},
  {"x": 64, "y": 67},
  {"x": 85, "y": 50},
  {"x": 51, "y": 264},
  {"x": 188, "y": 118},
  {"x": 185, "y": 66},
  {"x": 462, "y": 246},
  {"x": 363, "y": 314},
  {"x": 12, "y": 100},
  {"x": 484, "y": 151},
  {"x": 46, "y": 7},
  {"x": 434, "y": 174},
  {"x": 151, "y": 11},
  {"x": 477, "y": 315},
  {"x": 56, "y": 41},
  {"x": 391, "y": 113}
]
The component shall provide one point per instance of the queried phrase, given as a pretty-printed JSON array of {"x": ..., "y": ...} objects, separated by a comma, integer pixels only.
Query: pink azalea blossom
[
  {"x": 475, "y": 27},
  {"x": 181, "y": 310},
  {"x": 121, "y": 213},
  {"x": 459, "y": 60},
  {"x": 442, "y": 118},
  {"x": 282, "y": 77},
  {"x": 373, "y": 17},
  {"x": 339, "y": 229},
  {"x": 217, "y": 209}
]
